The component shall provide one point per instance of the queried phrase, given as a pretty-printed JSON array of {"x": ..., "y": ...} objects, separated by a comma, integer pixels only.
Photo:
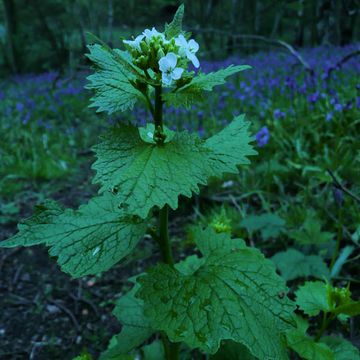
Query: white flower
[
  {"x": 167, "y": 66},
  {"x": 149, "y": 34},
  {"x": 188, "y": 49},
  {"x": 135, "y": 43}
]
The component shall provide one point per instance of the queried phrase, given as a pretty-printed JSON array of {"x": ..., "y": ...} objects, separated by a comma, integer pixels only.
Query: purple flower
[
  {"x": 278, "y": 114},
  {"x": 313, "y": 98},
  {"x": 26, "y": 118},
  {"x": 338, "y": 196},
  {"x": 263, "y": 136},
  {"x": 19, "y": 107},
  {"x": 338, "y": 107},
  {"x": 329, "y": 116},
  {"x": 201, "y": 132}
]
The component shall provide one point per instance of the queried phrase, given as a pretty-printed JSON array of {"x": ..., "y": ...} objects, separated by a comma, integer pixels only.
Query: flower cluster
[{"x": 167, "y": 58}]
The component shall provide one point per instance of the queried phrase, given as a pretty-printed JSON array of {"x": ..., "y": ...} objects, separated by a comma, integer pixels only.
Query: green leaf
[
  {"x": 193, "y": 92},
  {"x": 147, "y": 133},
  {"x": 26, "y": 236},
  {"x": 231, "y": 350},
  {"x": 312, "y": 298},
  {"x": 230, "y": 147},
  {"x": 305, "y": 346},
  {"x": 352, "y": 308},
  {"x": 154, "y": 351},
  {"x": 135, "y": 326},
  {"x": 111, "y": 81},
  {"x": 235, "y": 294},
  {"x": 293, "y": 264},
  {"x": 342, "y": 349},
  {"x": 175, "y": 27},
  {"x": 86, "y": 241},
  {"x": 311, "y": 233},
  {"x": 129, "y": 310},
  {"x": 270, "y": 225},
  {"x": 149, "y": 175}
]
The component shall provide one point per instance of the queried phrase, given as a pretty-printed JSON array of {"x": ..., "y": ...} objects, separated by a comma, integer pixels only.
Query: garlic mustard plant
[{"x": 226, "y": 292}]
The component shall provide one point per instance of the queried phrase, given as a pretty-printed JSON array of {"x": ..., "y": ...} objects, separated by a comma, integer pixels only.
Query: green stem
[
  {"x": 158, "y": 112},
  {"x": 325, "y": 323},
  {"x": 172, "y": 350}
]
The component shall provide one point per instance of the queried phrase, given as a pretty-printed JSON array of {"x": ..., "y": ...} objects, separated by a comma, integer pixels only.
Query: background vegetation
[
  {"x": 298, "y": 201},
  {"x": 40, "y": 35}
]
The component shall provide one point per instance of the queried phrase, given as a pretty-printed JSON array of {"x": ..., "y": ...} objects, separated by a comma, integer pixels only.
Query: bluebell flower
[
  {"x": 201, "y": 132},
  {"x": 20, "y": 107},
  {"x": 338, "y": 196},
  {"x": 263, "y": 136},
  {"x": 313, "y": 98},
  {"x": 329, "y": 116},
  {"x": 278, "y": 114},
  {"x": 338, "y": 107},
  {"x": 26, "y": 118}
]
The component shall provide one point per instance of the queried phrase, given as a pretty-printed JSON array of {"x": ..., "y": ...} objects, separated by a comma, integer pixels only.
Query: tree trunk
[{"x": 11, "y": 32}]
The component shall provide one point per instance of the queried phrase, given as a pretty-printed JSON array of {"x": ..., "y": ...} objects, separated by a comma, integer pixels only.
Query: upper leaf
[
  {"x": 86, "y": 241},
  {"x": 135, "y": 326},
  {"x": 111, "y": 80},
  {"x": 193, "y": 92},
  {"x": 293, "y": 264},
  {"x": 175, "y": 27},
  {"x": 234, "y": 294},
  {"x": 148, "y": 175},
  {"x": 230, "y": 147}
]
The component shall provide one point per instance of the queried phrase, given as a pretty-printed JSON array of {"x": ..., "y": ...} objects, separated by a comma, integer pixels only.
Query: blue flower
[
  {"x": 263, "y": 136},
  {"x": 19, "y": 107},
  {"x": 278, "y": 114},
  {"x": 313, "y": 98},
  {"x": 338, "y": 107},
  {"x": 329, "y": 116}
]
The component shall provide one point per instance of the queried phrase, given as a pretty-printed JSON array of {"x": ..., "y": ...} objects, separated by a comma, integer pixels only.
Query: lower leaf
[
  {"x": 86, "y": 241},
  {"x": 233, "y": 293}
]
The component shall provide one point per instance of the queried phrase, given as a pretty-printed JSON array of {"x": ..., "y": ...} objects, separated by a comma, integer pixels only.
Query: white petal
[
  {"x": 193, "y": 46},
  {"x": 147, "y": 33},
  {"x": 172, "y": 59},
  {"x": 166, "y": 79},
  {"x": 176, "y": 73},
  {"x": 182, "y": 52},
  {"x": 181, "y": 41},
  {"x": 164, "y": 64},
  {"x": 139, "y": 38},
  {"x": 193, "y": 59}
]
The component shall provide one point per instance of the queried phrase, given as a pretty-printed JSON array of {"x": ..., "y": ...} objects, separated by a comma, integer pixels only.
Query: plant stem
[
  {"x": 172, "y": 350},
  {"x": 158, "y": 118},
  {"x": 325, "y": 323}
]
